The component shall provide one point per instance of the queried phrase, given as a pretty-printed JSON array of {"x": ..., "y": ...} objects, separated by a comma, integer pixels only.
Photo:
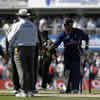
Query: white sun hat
[{"x": 23, "y": 12}]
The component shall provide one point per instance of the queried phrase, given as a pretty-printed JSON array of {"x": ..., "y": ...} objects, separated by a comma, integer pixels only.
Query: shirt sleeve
[
  {"x": 12, "y": 33},
  {"x": 35, "y": 34},
  {"x": 84, "y": 36},
  {"x": 59, "y": 39}
]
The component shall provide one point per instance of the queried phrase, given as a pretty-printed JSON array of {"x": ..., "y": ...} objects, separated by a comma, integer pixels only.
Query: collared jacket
[{"x": 23, "y": 33}]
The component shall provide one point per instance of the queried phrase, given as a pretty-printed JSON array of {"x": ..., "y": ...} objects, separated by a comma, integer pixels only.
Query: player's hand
[
  {"x": 86, "y": 47},
  {"x": 53, "y": 46},
  {"x": 39, "y": 45},
  {"x": 6, "y": 56}
]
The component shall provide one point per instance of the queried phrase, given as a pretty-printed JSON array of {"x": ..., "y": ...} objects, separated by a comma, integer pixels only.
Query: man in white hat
[{"x": 23, "y": 38}]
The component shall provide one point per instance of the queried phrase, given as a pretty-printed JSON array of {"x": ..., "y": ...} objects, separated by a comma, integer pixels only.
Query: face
[{"x": 67, "y": 26}]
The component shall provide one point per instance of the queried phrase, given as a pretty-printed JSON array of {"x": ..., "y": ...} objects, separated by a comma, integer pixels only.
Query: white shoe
[
  {"x": 21, "y": 94},
  {"x": 15, "y": 91},
  {"x": 30, "y": 94}
]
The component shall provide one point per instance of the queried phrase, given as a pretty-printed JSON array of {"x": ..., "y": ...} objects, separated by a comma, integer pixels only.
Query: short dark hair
[{"x": 68, "y": 21}]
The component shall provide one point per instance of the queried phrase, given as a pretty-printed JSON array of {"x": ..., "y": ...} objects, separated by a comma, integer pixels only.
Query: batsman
[{"x": 72, "y": 39}]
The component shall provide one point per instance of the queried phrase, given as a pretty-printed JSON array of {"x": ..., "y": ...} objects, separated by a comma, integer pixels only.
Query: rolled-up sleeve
[
  {"x": 12, "y": 34},
  {"x": 59, "y": 39}
]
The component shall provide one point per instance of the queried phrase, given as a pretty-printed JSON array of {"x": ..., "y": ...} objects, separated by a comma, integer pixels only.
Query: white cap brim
[{"x": 28, "y": 14}]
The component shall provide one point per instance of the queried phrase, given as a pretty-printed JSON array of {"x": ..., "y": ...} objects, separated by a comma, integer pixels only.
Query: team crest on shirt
[{"x": 67, "y": 37}]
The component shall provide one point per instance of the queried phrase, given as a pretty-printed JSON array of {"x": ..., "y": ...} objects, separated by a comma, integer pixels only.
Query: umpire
[
  {"x": 15, "y": 77},
  {"x": 23, "y": 38},
  {"x": 10, "y": 54},
  {"x": 72, "y": 38}
]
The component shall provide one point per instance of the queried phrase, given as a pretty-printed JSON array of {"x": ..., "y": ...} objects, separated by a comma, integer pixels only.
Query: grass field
[
  {"x": 51, "y": 95},
  {"x": 46, "y": 98}
]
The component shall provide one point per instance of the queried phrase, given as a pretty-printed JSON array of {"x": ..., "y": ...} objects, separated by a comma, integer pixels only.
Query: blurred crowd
[
  {"x": 55, "y": 23},
  {"x": 58, "y": 67},
  {"x": 90, "y": 23},
  {"x": 90, "y": 64},
  {"x": 5, "y": 69}
]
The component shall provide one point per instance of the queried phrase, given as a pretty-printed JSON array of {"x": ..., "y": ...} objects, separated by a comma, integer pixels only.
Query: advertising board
[{"x": 57, "y": 84}]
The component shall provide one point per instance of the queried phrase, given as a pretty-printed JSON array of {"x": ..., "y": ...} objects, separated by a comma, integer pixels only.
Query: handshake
[{"x": 53, "y": 46}]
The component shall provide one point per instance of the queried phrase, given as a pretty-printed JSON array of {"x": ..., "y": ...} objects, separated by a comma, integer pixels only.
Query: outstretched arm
[{"x": 59, "y": 40}]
